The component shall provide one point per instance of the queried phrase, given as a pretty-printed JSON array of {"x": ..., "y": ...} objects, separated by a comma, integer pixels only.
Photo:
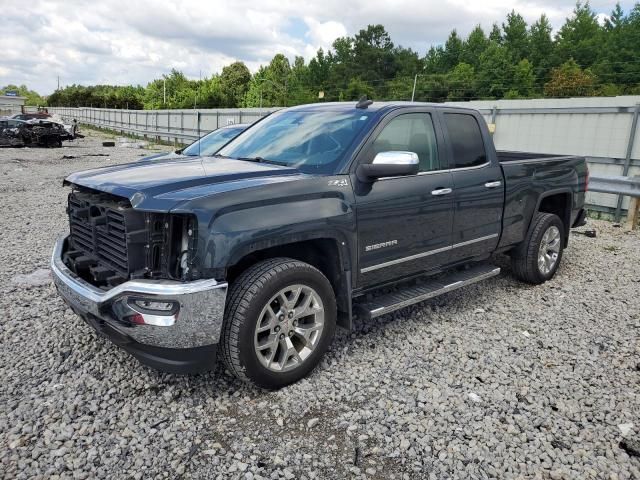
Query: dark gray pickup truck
[{"x": 300, "y": 223}]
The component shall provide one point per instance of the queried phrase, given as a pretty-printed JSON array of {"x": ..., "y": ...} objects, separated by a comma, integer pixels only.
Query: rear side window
[{"x": 466, "y": 140}]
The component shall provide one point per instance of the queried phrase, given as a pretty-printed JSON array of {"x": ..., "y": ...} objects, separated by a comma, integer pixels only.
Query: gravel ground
[{"x": 499, "y": 380}]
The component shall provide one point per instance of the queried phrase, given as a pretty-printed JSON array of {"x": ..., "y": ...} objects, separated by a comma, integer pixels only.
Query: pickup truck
[{"x": 312, "y": 216}]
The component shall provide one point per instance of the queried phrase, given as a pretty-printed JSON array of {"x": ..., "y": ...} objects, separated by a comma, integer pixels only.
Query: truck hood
[{"x": 162, "y": 185}]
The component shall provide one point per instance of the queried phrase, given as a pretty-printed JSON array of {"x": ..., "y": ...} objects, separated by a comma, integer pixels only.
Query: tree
[
  {"x": 475, "y": 45},
  {"x": 523, "y": 79},
  {"x": 319, "y": 69},
  {"x": 541, "y": 51},
  {"x": 356, "y": 89},
  {"x": 620, "y": 56},
  {"x": 496, "y": 34},
  {"x": 569, "y": 80},
  {"x": 516, "y": 38},
  {"x": 234, "y": 83},
  {"x": 452, "y": 51},
  {"x": 495, "y": 73},
  {"x": 462, "y": 82},
  {"x": 580, "y": 37},
  {"x": 434, "y": 60},
  {"x": 373, "y": 53},
  {"x": 299, "y": 90}
]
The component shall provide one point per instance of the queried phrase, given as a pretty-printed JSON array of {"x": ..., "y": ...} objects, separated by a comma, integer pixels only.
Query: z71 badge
[{"x": 339, "y": 183}]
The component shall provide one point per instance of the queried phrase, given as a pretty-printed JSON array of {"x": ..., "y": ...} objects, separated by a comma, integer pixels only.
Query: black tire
[
  {"x": 524, "y": 259},
  {"x": 248, "y": 295}
]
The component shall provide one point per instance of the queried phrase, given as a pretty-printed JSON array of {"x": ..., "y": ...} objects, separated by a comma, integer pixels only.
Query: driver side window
[{"x": 410, "y": 132}]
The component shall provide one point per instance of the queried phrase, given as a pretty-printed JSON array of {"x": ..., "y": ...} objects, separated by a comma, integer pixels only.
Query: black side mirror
[{"x": 389, "y": 164}]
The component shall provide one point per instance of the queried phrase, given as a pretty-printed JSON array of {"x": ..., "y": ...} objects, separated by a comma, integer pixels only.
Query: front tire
[
  {"x": 537, "y": 259},
  {"x": 279, "y": 321}
]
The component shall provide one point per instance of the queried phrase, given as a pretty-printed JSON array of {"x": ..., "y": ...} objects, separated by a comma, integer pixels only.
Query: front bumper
[{"x": 183, "y": 340}]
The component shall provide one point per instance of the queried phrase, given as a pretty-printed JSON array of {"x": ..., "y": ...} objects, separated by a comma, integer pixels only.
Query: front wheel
[
  {"x": 279, "y": 321},
  {"x": 537, "y": 259}
]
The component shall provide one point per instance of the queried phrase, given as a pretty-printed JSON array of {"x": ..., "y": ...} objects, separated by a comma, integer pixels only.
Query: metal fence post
[
  {"x": 627, "y": 158},
  {"x": 494, "y": 114},
  {"x": 198, "y": 120}
]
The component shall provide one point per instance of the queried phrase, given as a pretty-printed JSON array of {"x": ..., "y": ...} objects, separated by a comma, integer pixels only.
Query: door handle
[
  {"x": 495, "y": 184},
  {"x": 441, "y": 191}
]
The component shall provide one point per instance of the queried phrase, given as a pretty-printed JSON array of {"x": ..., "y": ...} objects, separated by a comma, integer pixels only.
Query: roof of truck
[{"x": 375, "y": 106}]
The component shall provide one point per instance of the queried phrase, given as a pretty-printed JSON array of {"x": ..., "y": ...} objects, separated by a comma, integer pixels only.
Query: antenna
[{"x": 364, "y": 102}]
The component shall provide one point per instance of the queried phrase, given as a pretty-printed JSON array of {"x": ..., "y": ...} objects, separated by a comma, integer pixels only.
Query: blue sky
[{"x": 123, "y": 42}]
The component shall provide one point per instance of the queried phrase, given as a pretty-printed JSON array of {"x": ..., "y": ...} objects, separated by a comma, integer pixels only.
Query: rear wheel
[
  {"x": 537, "y": 259},
  {"x": 279, "y": 321}
]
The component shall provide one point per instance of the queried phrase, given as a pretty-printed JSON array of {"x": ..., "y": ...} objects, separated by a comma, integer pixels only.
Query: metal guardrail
[{"x": 619, "y": 185}]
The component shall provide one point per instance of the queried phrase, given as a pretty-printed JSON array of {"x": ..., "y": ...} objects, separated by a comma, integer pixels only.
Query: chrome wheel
[
  {"x": 549, "y": 250},
  {"x": 289, "y": 328}
]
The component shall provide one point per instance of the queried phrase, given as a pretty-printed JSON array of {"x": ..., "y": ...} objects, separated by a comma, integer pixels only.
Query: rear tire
[
  {"x": 279, "y": 320},
  {"x": 538, "y": 257}
]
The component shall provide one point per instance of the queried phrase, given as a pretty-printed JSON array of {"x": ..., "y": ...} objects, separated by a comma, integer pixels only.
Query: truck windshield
[
  {"x": 211, "y": 143},
  {"x": 313, "y": 142}
]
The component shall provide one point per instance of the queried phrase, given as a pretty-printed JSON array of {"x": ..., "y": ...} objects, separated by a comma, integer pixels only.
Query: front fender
[{"x": 237, "y": 233}]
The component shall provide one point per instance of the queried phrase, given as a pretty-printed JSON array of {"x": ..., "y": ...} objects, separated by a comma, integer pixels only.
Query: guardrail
[{"x": 624, "y": 186}]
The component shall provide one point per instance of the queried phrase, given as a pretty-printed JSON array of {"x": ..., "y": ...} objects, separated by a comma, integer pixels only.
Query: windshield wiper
[
  {"x": 262, "y": 160},
  {"x": 252, "y": 159}
]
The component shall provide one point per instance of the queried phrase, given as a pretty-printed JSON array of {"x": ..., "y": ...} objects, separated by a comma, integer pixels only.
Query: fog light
[{"x": 153, "y": 305}]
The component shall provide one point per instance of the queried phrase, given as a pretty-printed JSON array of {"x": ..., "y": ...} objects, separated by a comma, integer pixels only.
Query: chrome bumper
[{"x": 197, "y": 323}]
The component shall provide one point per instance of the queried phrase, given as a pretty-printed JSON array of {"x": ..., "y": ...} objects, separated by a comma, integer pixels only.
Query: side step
[{"x": 390, "y": 302}]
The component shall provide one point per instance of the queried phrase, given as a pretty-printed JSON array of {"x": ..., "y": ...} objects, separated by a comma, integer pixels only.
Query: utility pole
[
  {"x": 415, "y": 79},
  {"x": 58, "y": 82},
  {"x": 164, "y": 92},
  {"x": 413, "y": 93}
]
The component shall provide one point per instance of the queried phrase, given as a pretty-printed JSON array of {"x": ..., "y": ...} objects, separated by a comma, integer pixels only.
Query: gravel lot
[{"x": 499, "y": 380}]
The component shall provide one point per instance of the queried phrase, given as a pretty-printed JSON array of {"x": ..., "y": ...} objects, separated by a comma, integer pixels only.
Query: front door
[{"x": 404, "y": 223}]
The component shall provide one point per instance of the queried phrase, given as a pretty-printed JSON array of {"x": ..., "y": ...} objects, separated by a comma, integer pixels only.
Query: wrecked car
[{"x": 40, "y": 133}]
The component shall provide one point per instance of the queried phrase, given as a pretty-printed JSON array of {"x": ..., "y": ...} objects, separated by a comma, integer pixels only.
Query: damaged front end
[{"x": 110, "y": 242}]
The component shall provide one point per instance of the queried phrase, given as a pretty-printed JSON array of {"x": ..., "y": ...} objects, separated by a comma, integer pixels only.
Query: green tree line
[{"x": 512, "y": 60}]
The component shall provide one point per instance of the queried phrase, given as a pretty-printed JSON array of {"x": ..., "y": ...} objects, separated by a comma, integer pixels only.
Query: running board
[{"x": 391, "y": 302}]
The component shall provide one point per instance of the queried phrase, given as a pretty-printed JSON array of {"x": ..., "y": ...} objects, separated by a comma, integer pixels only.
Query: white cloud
[{"x": 123, "y": 42}]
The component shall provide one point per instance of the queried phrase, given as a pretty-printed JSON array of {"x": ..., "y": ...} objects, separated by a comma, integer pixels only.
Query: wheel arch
[
  {"x": 327, "y": 254},
  {"x": 557, "y": 202}
]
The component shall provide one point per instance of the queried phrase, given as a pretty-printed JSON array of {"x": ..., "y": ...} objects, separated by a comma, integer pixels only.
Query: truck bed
[{"x": 528, "y": 176}]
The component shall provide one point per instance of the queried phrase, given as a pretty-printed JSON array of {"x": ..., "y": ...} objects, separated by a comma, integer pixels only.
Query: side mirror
[{"x": 389, "y": 164}]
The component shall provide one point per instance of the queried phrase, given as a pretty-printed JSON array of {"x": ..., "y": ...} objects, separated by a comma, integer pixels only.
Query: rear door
[
  {"x": 478, "y": 189},
  {"x": 404, "y": 223}
]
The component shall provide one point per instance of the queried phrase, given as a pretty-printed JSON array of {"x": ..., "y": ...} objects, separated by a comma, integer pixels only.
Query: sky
[{"x": 122, "y": 42}]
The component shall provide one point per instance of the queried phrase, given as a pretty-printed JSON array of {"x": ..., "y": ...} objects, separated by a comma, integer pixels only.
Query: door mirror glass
[{"x": 389, "y": 164}]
